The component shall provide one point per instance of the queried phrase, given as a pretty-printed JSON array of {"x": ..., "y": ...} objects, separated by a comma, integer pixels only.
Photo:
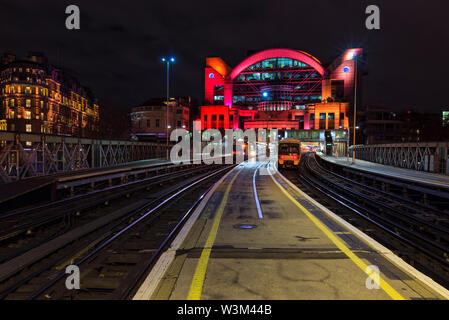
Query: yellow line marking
[
  {"x": 340, "y": 244},
  {"x": 196, "y": 286}
]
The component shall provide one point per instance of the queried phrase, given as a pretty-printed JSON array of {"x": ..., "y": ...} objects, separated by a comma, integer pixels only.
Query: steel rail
[
  {"x": 368, "y": 214},
  {"x": 109, "y": 240}
]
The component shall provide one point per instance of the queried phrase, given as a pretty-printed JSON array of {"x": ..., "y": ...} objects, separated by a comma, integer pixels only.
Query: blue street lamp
[{"x": 167, "y": 61}]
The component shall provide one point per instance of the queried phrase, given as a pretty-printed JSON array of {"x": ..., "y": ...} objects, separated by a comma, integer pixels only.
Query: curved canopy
[{"x": 277, "y": 53}]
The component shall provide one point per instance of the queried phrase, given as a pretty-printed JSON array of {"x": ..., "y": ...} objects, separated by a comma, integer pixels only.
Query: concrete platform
[
  {"x": 297, "y": 250},
  {"x": 431, "y": 179},
  {"x": 13, "y": 190}
]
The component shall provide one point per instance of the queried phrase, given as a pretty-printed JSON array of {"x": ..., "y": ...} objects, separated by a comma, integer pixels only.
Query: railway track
[
  {"x": 416, "y": 231},
  {"x": 23, "y": 229},
  {"x": 114, "y": 250}
]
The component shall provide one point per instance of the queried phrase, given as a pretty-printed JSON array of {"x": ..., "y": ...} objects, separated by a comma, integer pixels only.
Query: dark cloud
[{"x": 117, "y": 51}]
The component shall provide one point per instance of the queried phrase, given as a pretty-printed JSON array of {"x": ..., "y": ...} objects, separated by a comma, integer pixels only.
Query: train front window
[{"x": 288, "y": 148}]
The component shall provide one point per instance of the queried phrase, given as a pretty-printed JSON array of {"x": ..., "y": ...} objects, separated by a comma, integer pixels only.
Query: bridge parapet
[
  {"x": 421, "y": 156},
  {"x": 25, "y": 155}
]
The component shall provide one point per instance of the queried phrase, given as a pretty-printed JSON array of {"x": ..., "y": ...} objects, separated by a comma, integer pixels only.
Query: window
[
  {"x": 28, "y": 89},
  {"x": 221, "y": 117},
  {"x": 28, "y": 103},
  {"x": 322, "y": 116},
  {"x": 288, "y": 148},
  {"x": 331, "y": 116},
  {"x": 28, "y": 115},
  {"x": 205, "y": 118},
  {"x": 214, "y": 117},
  {"x": 179, "y": 123},
  {"x": 284, "y": 63},
  {"x": 13, "y": 127},
  {"x": 12, "y": 102},
  {"x": 269, "y": 63},
  {"x": 148, "y": 123},
  {"x": 28, "y": 128},
  {"x": 157, "y": 123},
  {"x": 3, "y": 125},
  {"x": 11, "y": 115},
  {"x": 312, "y": 116}
]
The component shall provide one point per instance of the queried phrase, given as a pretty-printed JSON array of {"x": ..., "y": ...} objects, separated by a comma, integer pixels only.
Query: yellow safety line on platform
[
  {"x": 196, "y": 287},
  {"x": 362, "y": 265}
]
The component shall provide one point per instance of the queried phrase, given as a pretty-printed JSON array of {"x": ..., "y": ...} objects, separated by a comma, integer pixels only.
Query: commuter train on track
[{"x": 289, "y": 153}]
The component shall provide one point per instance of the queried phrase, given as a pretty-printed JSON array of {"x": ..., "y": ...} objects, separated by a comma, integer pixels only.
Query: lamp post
[
  {"x": 355, "y": 106},
  {"x": 167, "y": 62}
]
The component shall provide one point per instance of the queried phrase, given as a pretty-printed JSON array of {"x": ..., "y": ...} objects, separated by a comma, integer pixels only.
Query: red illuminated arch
[{"x": 277, "y": 53}]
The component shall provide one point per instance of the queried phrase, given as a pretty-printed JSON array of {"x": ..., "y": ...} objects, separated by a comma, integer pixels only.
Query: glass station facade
[{"x": 284, "y": 89}]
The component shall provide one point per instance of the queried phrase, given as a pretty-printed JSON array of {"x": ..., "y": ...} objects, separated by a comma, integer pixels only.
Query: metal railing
[
  {"x": 25, "y": 155},
  {"x": 421, "y": 156}
]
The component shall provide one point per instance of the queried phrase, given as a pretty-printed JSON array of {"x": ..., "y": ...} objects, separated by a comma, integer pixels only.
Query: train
[{"x": 289, "y": 153}]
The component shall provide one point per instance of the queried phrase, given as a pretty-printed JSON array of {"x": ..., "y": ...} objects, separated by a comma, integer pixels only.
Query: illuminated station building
[
  {"x": 36, "y": 97},
  {"x": 283, "y": 89}
]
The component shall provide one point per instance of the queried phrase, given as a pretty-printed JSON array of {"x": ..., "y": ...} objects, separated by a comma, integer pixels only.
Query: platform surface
[
  {"x": 295, "y": 251},
  {"x": 429, "y": 178}
]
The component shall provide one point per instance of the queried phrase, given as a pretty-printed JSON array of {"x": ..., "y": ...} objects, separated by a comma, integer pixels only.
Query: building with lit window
[
  {"x": 149, "y": 119},
  {"x": 445, "y": 118},
  {"x": 37, "y": 97},
  {"x": 283, "y": 89}
]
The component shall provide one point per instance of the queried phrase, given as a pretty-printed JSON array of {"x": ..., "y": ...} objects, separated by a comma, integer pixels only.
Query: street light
[
  {"x": 167, "y": 126},
  {"x": 355, "y": 104}
]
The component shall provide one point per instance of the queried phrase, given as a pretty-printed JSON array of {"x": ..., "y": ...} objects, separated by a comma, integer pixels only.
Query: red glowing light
[{"x": 275, "y": 53}]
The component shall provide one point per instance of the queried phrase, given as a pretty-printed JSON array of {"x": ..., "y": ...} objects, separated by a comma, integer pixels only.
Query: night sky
[{"x": 118, "y": 49}]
